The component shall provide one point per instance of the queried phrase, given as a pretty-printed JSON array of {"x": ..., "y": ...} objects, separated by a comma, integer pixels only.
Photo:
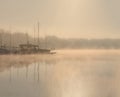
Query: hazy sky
[{"x": 64, "y": 18}]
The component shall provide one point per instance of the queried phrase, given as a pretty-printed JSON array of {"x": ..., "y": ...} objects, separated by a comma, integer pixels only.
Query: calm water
[{"x": 80, "y": 73}]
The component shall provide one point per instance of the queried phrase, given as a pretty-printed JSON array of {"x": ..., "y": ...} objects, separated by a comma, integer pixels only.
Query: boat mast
[
  {"x": 27, "y": 37},
  {"x": 1, "y": 39},
  {"x": 38, "y": 32},
  {"x": 34, "y": 34},
  {"x": 10, "y": 39},
  {"x": 45, "y": 40}
]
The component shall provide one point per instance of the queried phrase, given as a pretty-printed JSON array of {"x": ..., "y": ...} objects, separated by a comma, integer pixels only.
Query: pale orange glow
[{"x": 63, "y": 18}]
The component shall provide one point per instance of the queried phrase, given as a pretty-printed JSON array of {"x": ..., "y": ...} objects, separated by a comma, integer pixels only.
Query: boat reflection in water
[{"x": 80, "y": 73}]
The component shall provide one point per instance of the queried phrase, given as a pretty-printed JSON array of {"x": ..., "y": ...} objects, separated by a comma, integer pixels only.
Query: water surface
[{"x": 69, "y": 73}]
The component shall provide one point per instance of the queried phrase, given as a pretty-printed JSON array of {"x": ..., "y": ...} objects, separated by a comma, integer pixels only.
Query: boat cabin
[{"x": 28, "y": 48}]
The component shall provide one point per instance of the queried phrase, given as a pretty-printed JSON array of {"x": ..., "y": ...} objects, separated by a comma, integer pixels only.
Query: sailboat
[
  {"x": 41, "y": 50},
  {"x": 28, "y": 48},
  {"x": 33, "y": 48}
]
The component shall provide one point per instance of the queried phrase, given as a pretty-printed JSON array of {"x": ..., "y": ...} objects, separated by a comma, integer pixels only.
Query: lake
[{"x": 68, "y": 73}]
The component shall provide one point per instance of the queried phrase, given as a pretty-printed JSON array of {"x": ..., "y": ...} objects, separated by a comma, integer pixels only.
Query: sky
[{"x": 62, "y": 18}]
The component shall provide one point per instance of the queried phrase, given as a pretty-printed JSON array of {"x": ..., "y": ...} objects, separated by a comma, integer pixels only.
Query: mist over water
[
  {"x": 89, "y": 27},
  {"x": 69, "y": 73}
]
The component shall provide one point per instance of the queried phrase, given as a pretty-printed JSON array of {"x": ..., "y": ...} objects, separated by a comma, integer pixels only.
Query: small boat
[
  {"x": 32, "y": 49},
  {"x": 4, "y": 50}
]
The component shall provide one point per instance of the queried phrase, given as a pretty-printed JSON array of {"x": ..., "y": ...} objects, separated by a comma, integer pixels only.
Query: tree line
[{"x": 15, "y": 39}]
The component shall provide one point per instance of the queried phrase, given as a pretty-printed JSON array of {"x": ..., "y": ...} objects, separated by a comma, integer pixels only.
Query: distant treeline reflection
[{"x": 56, "y": 42}]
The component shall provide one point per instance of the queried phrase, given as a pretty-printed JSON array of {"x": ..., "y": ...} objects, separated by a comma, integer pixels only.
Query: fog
[
  {"x": 63, "y": 18},
  {"x": 91, "y": 73},
  {"x": 53, "y": 42},
  {"x": 84, "y": 43}
]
